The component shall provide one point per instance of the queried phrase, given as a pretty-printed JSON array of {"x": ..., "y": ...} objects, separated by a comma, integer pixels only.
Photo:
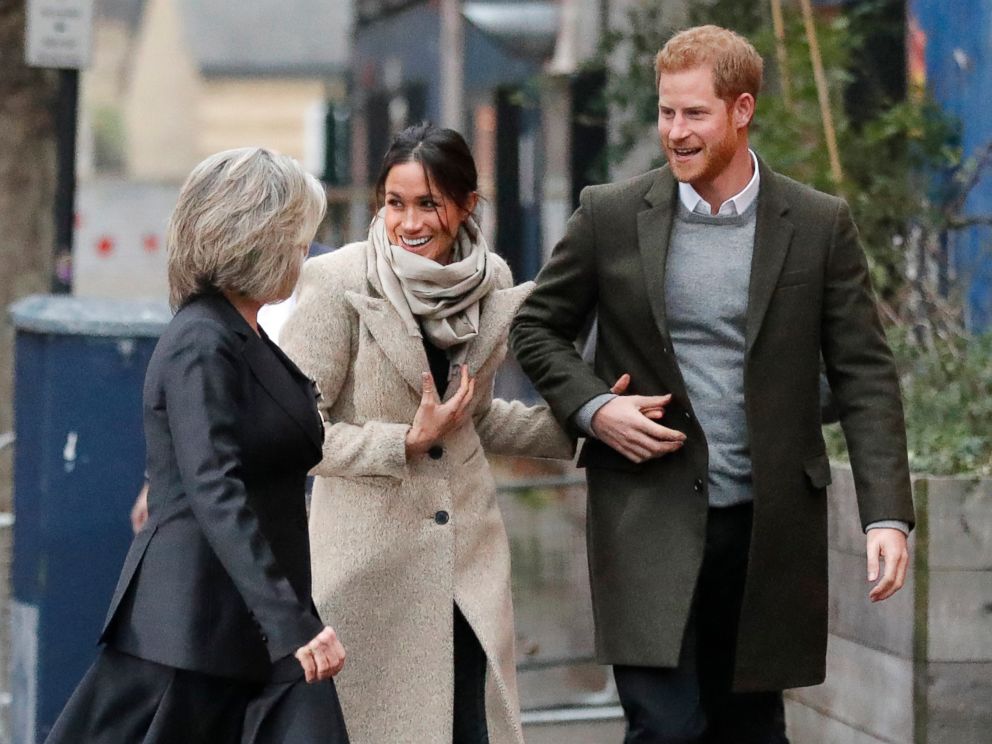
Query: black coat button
[
  {"x": 687, "y": 415},
  {"x": 441, "y": 517},
  {"x": 697, "y": 486},
  {"x": 265, "y": 638},
  {"x": 435, "y": 452}
]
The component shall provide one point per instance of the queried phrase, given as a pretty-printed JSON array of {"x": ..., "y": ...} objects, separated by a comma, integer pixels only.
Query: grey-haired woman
[{"x": 212, "y": 636}]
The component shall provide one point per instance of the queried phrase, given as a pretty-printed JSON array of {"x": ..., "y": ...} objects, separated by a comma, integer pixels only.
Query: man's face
[{"x": 700, "y": 133}]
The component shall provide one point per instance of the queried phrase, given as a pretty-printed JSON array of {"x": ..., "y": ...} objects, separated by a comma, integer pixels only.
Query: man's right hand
[{"x": 626, "y": 424}]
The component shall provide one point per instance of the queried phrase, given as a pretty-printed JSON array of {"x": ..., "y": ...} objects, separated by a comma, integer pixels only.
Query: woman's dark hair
[{"x": 448, "y": 163}]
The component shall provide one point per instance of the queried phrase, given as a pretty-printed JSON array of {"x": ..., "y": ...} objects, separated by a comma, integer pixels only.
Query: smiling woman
[{"x": 404, "y": 333}]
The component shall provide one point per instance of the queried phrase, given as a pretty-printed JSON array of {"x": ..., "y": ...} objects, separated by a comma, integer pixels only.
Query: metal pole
[
  {"x": 66, "y": 110},
  {"x": 452, "y": 49}
]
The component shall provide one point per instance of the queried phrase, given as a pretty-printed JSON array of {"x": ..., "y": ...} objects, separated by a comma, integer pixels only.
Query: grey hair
[{"x": 240, "y": 225}]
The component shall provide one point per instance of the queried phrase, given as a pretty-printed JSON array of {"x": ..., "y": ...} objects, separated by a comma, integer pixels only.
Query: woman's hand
[
  {"x": 323, "y": 657},
  {"x": 434, "y": 419},
  {"x": 139, "y": 512}
]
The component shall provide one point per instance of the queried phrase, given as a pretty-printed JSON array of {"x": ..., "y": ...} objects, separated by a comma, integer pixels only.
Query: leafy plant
[{"x": 947, "y": 393}]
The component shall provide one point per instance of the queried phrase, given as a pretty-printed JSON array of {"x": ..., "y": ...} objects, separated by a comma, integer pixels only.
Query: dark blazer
[
  {"x": 218, "y": 581},
  {"x": 809, "y": 294}
]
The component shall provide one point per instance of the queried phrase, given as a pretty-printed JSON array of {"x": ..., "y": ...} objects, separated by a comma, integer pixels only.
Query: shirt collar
[{"x": 737, "y": 204}]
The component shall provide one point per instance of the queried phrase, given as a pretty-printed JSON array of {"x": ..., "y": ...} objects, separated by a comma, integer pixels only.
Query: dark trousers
[
  {"x": 694, "y": 702},
  {"x": 470, "y": 685}
]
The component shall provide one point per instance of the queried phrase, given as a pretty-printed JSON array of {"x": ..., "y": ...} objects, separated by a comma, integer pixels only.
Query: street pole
[
  {"x": 66, "y": 110},
  {"x": 58, "y": 34},
  {"x": 452, "y": 50}
]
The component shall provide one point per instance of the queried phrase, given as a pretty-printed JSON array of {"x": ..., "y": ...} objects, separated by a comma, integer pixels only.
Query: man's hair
[
  {"x": 240, "y": 225},
  {"x": 737, "y": 66}
]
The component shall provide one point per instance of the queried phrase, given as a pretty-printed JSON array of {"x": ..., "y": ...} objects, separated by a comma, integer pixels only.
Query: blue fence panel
[{"x": 959, "y": 75}]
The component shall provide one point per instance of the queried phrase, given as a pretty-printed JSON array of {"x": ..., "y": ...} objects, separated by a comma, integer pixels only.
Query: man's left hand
[{"x": 889, "y": 545}]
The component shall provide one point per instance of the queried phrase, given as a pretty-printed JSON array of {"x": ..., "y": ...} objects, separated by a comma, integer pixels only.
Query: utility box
[{"x": 78, "y": 465}]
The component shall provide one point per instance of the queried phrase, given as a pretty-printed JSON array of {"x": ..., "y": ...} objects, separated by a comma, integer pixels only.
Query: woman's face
[{"x": 419, "y": 218}]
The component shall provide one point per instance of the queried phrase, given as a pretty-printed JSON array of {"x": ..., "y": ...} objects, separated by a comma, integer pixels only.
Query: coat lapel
[
  {"x": 772, "y": 236},
  {"x": 494, "y": 317},
  {"x": 406, "y": 352},
  {"x": 289, "y": 388},
  {"x": 654, "y": 227},
  {"x": 296, "y": 397}
]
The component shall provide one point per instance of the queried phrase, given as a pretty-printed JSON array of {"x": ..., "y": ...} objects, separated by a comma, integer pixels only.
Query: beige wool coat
[{"x": 395, "y": 543}]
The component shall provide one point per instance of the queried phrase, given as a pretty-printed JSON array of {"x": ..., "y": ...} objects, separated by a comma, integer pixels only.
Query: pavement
[{"x": 598, "y": 732}]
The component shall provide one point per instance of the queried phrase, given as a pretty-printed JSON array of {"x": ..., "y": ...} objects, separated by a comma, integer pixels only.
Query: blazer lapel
[
  {"x": 494, "y": 316},
  {"x": 772, "y": 236},
  {"x": 295, "y": 396},
  {"x": 406, "y": 352},
  {"x": 654, "y": 227},
  {"x": 286, "y": 390}
]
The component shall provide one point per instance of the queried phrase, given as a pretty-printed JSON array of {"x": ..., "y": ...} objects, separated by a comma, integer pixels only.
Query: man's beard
[{"x": 708, "y": 164}]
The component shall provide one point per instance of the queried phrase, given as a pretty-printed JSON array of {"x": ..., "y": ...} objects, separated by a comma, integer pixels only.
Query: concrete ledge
[
  {"x": 885, "y": 626},
  {"x": 959, "y": 512},
  {"x": 917, "y": 668},
  {"x": 866, "y": 690},
  {"x": 959, "y": 703},
  {"x": 960, "y": 616},
  {"x": 808, "y": 725}
]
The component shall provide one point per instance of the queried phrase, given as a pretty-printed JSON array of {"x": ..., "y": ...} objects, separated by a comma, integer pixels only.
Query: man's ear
[{"x": 743, "y": 110}]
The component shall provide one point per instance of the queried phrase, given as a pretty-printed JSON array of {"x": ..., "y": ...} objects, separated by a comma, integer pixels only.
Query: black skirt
[{"x": 127, "y": 700}]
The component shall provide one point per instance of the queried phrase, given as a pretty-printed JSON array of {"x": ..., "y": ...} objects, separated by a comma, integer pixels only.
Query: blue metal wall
[{"x": 959, "y": 74}]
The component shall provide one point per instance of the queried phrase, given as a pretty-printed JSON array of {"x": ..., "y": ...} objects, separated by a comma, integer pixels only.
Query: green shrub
[{"x": 947, "y": 394}]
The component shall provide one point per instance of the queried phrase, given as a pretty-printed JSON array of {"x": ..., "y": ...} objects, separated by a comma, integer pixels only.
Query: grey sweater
[{"x": 706, "y": 288}]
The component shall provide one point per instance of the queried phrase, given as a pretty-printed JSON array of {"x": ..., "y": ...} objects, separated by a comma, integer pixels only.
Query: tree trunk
[{"x": 27, "y": 193}]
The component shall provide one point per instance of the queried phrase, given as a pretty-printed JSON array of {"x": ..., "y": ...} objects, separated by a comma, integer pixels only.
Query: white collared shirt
[{"x": 737, "y": 204}]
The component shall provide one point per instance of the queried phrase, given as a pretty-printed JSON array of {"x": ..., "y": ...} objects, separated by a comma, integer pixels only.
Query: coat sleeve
[
  {"x": 545, "y": 329},
  {"x": 513, "y": 428},
  {"x": 318, "y": 337},
  {"x": 510, "y": 427},
  {"x": 863, "y": 378},
  {"x": 202, "y": 397}
]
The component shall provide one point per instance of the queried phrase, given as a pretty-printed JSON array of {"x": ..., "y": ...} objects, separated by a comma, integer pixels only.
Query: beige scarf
[{"x": 445, "y": 297}]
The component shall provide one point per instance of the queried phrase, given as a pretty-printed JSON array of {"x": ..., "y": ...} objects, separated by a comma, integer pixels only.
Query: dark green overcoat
[{"x": 809, "y": 295}]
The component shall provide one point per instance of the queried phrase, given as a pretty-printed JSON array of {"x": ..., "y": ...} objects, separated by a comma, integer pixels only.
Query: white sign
[{"x": 59, "y": 33}]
